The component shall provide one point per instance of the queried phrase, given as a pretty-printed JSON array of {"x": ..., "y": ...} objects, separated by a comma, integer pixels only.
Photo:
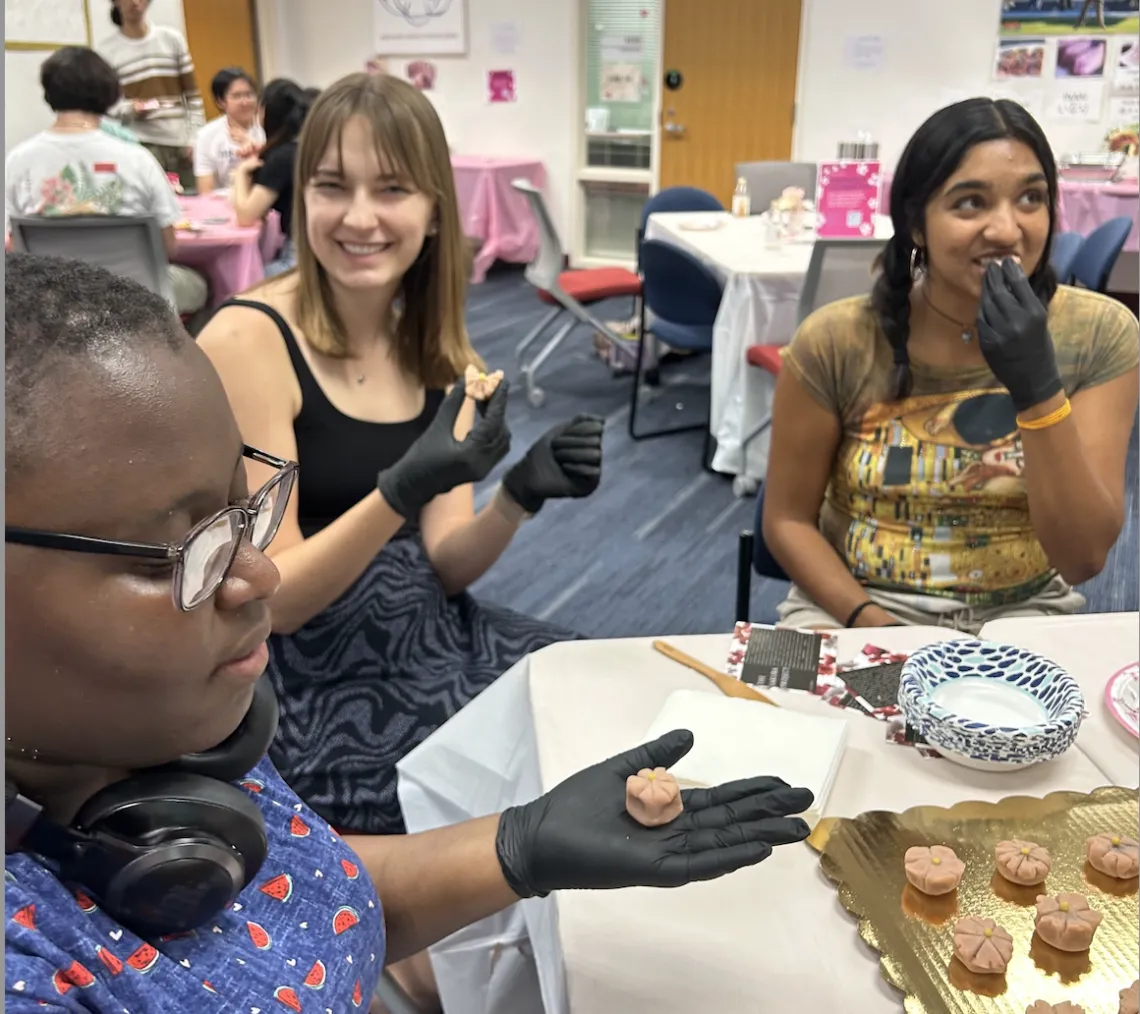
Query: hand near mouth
[{"x": 1013, "y": 334}]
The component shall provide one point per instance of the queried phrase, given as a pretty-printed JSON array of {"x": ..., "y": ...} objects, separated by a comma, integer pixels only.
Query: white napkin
[{"x": 734, "y": 738}]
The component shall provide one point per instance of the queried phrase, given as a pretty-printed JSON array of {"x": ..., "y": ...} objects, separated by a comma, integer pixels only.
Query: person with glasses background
[
  {"x": 155, "y": 858},
  {"x": 236, "y": 135}
]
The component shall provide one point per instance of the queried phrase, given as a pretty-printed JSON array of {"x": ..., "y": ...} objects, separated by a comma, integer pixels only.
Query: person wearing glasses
[
  {"x": 224, "y": 143},
  {"x": 155, "y": 858}
]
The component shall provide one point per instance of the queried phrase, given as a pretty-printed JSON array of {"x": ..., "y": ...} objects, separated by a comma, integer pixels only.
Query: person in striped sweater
[{"x": 161, "y": 103}]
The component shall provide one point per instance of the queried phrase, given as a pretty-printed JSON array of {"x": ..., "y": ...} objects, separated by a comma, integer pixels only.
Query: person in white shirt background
[
  {"x": 225, "y": 142},
  {"x": 161, "y": 103},
  {"x": 76, "y": 168}
]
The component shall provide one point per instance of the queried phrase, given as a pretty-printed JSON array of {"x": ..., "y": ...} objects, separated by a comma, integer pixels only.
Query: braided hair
[{"x": 931, "y": 156}]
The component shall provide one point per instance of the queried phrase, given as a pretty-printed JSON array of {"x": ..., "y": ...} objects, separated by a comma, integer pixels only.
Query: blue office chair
[
  {"x": 684, "y": 296},
  {"x": 1066, "y": 247},
  {"x": 1097, "y": 257},
  {"x": 673, "y": 199}
]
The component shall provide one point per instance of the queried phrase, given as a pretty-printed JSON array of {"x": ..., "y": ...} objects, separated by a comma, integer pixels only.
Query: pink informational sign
[
  {"x": 847, "y": 199},
  {"x": 501, "y": 86}
]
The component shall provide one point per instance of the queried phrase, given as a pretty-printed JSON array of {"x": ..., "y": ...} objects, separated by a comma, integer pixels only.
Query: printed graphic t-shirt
[
  {"x": 216, "y": 152},
  {"x": 306, "y": 936},
  {"x": 86, "y": 173},
  {"x": 927, "y": 494}
]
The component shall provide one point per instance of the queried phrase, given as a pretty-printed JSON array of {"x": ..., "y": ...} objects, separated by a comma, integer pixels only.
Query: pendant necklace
[{"x": 967, "y": 333}]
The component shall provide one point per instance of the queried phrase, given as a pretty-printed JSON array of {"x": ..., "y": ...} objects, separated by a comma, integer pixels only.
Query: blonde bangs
[{"x": 428, "y": 331}]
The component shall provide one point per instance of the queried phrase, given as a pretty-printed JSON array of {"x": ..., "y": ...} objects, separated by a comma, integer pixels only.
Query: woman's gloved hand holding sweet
[
  {"x": 437, "y": 462},
  {"x": 579, "y": 835}
]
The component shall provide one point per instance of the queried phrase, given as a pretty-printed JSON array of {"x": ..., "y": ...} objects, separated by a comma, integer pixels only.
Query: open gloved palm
[{"x": 579, "y": 835}]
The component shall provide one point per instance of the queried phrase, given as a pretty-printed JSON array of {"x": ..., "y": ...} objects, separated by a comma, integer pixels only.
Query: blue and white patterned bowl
[{"x": 990, "y": 706}]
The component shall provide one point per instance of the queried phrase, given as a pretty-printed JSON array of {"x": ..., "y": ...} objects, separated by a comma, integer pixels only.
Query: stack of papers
[{"x": 736, "y": 738}]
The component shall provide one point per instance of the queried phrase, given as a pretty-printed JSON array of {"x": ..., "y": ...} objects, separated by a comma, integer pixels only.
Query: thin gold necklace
[{"x": 967, "y": 333}]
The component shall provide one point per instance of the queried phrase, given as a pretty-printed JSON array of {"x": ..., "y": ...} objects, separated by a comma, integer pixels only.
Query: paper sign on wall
[
  {"x": 621, "y": 82},
  {"x": 1126, "y": 69},
  {"x": 504, "y": 37},
  {"x": 863, "y": 52},
  {"x": 622, "y": 49},
  {"x": 847, "y": 199},
  {"x": 1078, "y": 100},
  {"x": 501, "y": 86},
  {"x": 1123, "y": 111}
]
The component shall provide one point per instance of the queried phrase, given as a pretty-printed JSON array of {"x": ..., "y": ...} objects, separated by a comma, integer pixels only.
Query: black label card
[
  {"x": 878, "y": 685},
  {"x": 783, "y": 658}
]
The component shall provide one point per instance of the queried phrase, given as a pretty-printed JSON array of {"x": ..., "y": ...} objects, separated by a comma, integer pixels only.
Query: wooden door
[
  {"x": 736, "y": 101},
  {"x": 220, "y": 33}
]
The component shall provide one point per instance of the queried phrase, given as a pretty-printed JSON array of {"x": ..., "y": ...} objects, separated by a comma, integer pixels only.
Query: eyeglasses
[{"x": 202, "y": 559}]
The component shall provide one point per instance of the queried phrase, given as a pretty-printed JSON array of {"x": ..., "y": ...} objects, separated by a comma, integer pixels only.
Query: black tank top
[{"x": 339, "y": 456}]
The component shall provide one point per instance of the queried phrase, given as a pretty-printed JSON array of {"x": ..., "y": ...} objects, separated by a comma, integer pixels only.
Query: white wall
[
  {"x": 25, "y": 111},
  {"x": 935, "y": 52},
  {"x": 308, "y": 42}
]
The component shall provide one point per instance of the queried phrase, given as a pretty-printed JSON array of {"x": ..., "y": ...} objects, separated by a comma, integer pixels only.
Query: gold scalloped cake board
[{"x": 914, "y": 934}]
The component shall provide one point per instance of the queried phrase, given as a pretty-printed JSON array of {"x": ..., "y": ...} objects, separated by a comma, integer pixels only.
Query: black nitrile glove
[
  {"x": 579, "y": 835},
  {"x": 437, "y": 462},
  {"x": 566, "y": 461},
  {"x": 1013, "y": 334}
]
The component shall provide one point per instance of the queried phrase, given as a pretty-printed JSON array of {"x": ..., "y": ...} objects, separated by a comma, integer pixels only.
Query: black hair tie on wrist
[{"x": 856, "y": 611}]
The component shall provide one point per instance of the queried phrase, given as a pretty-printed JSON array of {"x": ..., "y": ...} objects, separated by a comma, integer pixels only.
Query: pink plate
[{"x": 1122, "y": 695}]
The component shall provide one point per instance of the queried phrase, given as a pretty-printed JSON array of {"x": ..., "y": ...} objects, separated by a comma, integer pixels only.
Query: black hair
[
  {"x": 76, "y": 79},
  {"x": 59, "y": 312},
  {"x": 226, "y": 77},
  {"x": 931, "y": 156},
  {"x": 116, "y": 17},
  {"x": 286, "y": 105}
]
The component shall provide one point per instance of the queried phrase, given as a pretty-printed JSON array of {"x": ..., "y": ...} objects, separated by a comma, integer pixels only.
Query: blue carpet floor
[{"x": 654, "y": 550}]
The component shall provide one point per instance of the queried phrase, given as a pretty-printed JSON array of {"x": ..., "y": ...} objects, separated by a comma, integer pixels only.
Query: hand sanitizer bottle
[{"x": 741, "y": 203}]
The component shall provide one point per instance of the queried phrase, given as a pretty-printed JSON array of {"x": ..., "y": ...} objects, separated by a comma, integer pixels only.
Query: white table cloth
[
  {"x": 762, "y": 287},
  {"x": 706, "y": 946}
]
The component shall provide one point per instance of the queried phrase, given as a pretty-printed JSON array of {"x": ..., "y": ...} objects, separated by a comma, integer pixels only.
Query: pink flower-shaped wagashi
[
  {"x": 1066, "y": 922},
  {"x": 933, "y": 870},
  {"x": 479, "y": 385},
  {"x": 1023, "y": 862},
  {"x": 653, "y": 797},
  {"x": 1113, "y": 855},
  {"x": 982, "y": 945}
]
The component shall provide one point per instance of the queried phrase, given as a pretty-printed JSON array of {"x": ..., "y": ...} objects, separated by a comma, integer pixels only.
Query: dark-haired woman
[
  {"x": 265, "y": 183},
  {"x": 224, "y": 143},
  {"x": 953, "y": 449}
]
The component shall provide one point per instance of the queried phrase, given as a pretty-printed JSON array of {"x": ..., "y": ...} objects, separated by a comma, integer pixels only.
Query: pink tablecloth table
[
  {"x": 1084, "y": 206},
  {"x": 232, "y": 257},
  {"x": 492, "y": 211}
]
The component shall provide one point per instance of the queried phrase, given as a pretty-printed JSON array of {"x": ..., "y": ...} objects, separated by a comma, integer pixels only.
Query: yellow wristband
[{"x": 1054, "y": 417}]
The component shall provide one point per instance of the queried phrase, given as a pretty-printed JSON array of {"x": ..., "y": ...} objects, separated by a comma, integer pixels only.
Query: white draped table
[
  {"x": 770, "y": 939},
  {"x": 762, "y": 287}
]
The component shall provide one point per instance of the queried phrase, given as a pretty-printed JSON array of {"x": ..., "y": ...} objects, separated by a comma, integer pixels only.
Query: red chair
[
  {"x": 766, "y": 358},
  {"x": 568, "y": 292}
]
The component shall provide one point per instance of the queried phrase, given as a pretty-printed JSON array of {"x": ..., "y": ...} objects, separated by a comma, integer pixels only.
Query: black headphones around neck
[{"x": 168, "y": 848}]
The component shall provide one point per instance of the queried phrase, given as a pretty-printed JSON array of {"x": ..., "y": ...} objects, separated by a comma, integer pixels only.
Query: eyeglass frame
[{"x": 173, "y": 551}]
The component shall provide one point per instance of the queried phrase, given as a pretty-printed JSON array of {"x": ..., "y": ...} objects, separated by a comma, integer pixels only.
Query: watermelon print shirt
[{"x": 307, "y": 936}]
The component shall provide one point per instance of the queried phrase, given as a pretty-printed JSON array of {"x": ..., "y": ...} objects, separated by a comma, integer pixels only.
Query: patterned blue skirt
[{"x": 376, "y": 673}]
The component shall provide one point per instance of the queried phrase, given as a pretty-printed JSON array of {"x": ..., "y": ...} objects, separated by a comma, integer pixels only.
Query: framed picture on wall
[{"x": 420, "y": 27}]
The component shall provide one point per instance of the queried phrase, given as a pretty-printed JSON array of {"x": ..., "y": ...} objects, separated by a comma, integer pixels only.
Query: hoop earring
[{"x": 915, "y": 263}]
